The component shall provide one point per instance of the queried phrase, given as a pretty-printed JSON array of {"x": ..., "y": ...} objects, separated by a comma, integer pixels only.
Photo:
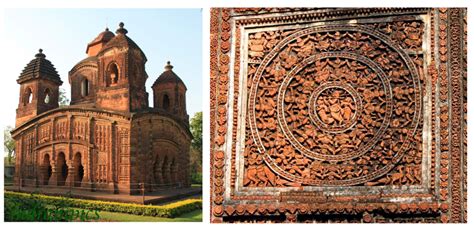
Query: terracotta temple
[
  {"x": 108, "y": 138},
  {"x": 338, "y": 115}
]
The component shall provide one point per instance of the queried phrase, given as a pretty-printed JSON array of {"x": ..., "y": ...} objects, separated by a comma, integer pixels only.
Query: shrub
[
  {"x": 196, "y": 178},
  {"x": 33, "y": 208},
  {"x": 169, "y": 210}
]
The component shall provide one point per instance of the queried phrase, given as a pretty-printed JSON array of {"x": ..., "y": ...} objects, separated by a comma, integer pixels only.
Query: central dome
[
  {"x": 121, "y": 40},
  {"x": 96, "y": 45}
]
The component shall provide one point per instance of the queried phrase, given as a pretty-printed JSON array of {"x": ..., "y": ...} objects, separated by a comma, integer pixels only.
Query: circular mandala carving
[{"x": 334, "y": 105}]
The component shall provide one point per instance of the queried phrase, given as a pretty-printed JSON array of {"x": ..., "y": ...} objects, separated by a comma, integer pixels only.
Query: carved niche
[{"x": 320, "y": 111}]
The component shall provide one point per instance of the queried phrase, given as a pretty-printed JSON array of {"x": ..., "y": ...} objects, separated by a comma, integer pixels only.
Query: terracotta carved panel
[{"x": 332, "y": 111}]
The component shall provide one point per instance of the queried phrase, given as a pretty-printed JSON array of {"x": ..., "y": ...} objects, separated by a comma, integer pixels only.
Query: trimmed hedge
[
  {"x": 33, "y": 209},
  {"x": 169, "y": 210}
]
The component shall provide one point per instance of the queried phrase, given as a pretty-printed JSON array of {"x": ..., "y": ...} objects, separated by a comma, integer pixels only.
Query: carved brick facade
[
  {"x": 338, "y": 115},
  {"x": 108, "y": 138}
]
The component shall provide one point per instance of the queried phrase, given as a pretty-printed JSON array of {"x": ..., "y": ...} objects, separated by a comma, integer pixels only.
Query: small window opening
[
  {"x": 166, "y": 102},
  {"x": 85, "y": 87},
  {"x": 28, "y": 97},
  {"x": 47, "y": 96},
  {"x": 113, "y": 74}
]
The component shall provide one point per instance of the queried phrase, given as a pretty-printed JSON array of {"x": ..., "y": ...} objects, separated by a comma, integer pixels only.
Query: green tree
[
  {"x": 8, "y": 144},
  {"x": 196, "y": 148},
  {"x": 196, "y": 130},
  {"x": 63, "y": 99}
]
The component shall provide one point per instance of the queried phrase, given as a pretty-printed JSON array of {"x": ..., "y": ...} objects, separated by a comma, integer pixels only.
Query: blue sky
[{"x": 63, "y": 34}]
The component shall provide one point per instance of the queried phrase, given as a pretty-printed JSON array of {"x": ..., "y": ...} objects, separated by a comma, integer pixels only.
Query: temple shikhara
[
  {"x": 338, "y": 115},
  {"x": 108, "y": 138}
]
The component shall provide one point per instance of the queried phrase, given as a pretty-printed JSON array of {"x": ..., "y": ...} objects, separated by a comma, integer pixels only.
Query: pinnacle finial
[
  {"x": 40, "y": 54},
  {"x": 121, "y": 30},
  {"x": 168, "y": 66}
]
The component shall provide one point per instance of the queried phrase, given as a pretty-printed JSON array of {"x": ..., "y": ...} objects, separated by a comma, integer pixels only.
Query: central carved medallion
[{"x": 333, "y": 107}]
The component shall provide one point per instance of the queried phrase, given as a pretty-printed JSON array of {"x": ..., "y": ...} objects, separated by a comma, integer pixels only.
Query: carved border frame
[{"x": 449, "y": 166}]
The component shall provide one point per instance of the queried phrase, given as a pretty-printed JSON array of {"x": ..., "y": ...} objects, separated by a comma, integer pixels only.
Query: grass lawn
[
  {"x": 195, "y": 216},
  {"x": 190, "y": 209},
  {"x": 196, "y": 185}
]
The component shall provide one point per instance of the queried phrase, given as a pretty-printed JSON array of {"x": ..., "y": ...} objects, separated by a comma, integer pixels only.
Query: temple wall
[{"x": 160, "y": 152}]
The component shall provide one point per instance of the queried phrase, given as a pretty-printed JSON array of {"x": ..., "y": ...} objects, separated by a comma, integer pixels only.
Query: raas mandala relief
[{"x": 333, "y": 105}]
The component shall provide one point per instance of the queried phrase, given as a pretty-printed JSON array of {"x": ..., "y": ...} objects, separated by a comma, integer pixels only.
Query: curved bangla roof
[
  {"x": 39, "y": 67},
  {"x": 103, "y": 37},
  {"x": 168, "y": 76}
]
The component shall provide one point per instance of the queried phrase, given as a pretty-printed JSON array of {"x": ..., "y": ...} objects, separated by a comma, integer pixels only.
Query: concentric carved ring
[
  {"x": 365, "y": 146},
  {"x": 344, "y": 112}
]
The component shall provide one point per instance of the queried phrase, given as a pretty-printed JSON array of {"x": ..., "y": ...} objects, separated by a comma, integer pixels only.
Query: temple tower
[
  {"x": 169, "y": 93},
  {"x": 121, "y": 75},
  {"x": 39, "y": 88}
]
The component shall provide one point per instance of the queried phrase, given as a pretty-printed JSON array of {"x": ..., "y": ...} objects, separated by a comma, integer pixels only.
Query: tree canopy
[
  {"x": 196, "y": 130},
  {"x": 8, "y": 143},
  {"x": 63, "y": 99},
  {"x": 196, "y": 148}
]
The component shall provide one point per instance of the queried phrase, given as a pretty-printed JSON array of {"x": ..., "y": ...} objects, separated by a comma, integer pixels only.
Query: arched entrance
[
  {"x": 79, "y": 173},
  {"x": 47, "y": 169},
  {"x": 63, "y": 169}
]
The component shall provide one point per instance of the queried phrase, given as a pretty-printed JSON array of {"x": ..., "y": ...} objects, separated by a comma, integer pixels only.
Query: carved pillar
[
  {"x": 158, "y": 169},
  {"x": 69, "y": 127},
  {"x": 71, "y": 173},
  {"x": 174, "y": 173},
  {"x": 19, "y": 159},
  {"x": 151, "y": 153},
  {"x": 53, "y": 129},
  {"x": 167, "y": 173},
  {"x": 53, "y": 180},
  {"x": 43, "y": 174},
  {"x": 85, "y": 166},
  {"x": 112, "y": 171},
  {"x": 34, "y": 155},
  {"x": 109, "y": 149},
  {"x": 183, "y": 173},
  {"x": 90, "y": 161}
]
